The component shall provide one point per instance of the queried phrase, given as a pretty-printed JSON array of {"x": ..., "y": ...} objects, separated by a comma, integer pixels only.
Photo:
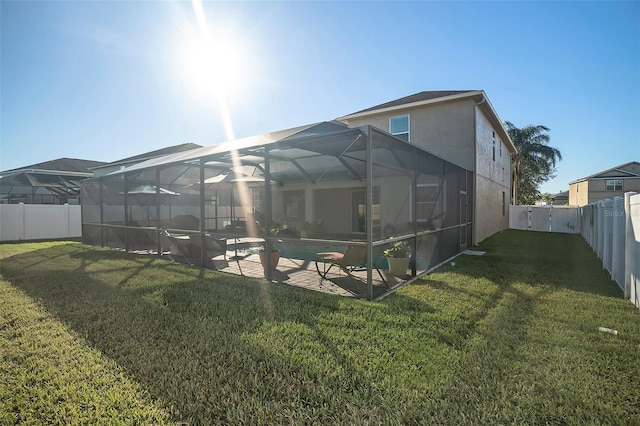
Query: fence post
[
  {"x": 630, "y": 257},
  {"x": 608, "y": 234},
  {"x": 21, "y": 222},
  {"x": 66, "y": 228},
  {"x": 600, "y": 229}
]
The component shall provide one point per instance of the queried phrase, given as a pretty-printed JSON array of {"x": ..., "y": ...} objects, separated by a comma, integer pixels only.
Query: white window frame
[
  {"x": 614, "y": 184},
  {"x": 398, "y": 134}
]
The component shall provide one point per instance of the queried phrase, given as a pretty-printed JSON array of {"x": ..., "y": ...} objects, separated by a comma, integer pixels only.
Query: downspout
[{"x": 474, "y": 224}]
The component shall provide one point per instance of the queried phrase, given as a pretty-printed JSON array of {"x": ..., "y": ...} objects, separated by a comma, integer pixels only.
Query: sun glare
[
  {"x": 213, "y": 65},
  {"x": 212, "y": 58}
]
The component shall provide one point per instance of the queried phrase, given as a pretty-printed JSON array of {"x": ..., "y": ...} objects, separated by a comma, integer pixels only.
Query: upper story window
[
  {"x": 614, "y": 184},
  {"x": 494, "y": 145},
  {"x": 399, "y": 126}
]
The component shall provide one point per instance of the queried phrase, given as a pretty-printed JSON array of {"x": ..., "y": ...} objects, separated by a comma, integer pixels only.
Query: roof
[
  {"x": 60, "y": 166},
  {"x": 614, "y": 172},
  {"x": 416, "y": 98},
  {"x": 310, "y": 130},
  {"x": 152, "y": 154},
  {"x": 440, "y": 96}
]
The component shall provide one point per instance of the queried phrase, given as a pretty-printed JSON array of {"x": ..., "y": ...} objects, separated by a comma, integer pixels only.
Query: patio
[{"x": 316, "y": 188}]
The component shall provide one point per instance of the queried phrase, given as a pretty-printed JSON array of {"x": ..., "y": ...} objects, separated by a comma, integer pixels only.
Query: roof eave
[
  {"x": 412, "y": 105},
  {"x": 46, "y": 172}
]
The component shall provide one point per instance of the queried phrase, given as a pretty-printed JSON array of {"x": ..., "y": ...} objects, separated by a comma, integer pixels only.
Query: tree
[{"x": 534, "y": 163}]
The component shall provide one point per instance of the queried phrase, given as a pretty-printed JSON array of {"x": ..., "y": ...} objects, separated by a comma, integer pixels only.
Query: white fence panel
[
  {"x": 617, "y": 246},
  {"x": 632, "y": 248},
  {"x": 39, "y": 222},
  {"x": 600, "y": 229},
  {"x": 519, "y": 217},
  {"x": 564, "y": 219},
  {"x": 607, "y": 245},
  {"x": 540, "y": 219},
  {"x": 11, "y": 219},
  {"x": 544, "y": 219}
]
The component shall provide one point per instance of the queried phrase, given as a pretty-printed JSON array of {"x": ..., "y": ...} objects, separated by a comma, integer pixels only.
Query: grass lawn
[{"x": 95, "y": 336}]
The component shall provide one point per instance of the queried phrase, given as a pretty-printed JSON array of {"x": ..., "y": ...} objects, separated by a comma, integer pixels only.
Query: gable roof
[
  {"x": 440, "y": 96},
  {"x": 416, "y": 98},
  {"x": 614, "y": 172},
  {"x": 59, "y": 166}
]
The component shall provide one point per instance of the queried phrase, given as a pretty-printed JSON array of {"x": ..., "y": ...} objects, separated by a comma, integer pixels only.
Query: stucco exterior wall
[
  {"x": 444, "y": 129},
  {"x": 493, "y": 180},
  {"x": 598, "y": 188},
  {"x": 579, "y": 193},
  {"x": 462, "y": 134}
]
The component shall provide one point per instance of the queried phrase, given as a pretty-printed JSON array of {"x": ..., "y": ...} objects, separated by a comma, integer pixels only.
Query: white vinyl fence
[
  {"x": 39, "y": 222},
  {"x": 544, "y": 218},
  {"x": 612, "y": 229}
]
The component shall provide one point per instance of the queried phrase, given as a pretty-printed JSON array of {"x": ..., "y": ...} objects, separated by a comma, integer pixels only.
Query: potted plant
[
  {"x": 275, "y": 253},
  {"x": 398, "y": 256},
  {"x": 275, "y": 257}
]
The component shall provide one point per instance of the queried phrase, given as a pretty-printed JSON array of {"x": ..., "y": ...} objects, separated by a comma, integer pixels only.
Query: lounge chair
[
  {"x": 213, "y": 249},
  {"x": 353, "y": 259}
]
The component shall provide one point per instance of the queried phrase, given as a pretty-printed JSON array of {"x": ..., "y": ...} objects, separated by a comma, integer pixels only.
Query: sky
[{"x": 106, "y": 80}]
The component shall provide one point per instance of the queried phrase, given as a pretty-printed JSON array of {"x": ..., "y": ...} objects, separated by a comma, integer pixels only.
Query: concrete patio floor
[{"x": 303, "y": 274}]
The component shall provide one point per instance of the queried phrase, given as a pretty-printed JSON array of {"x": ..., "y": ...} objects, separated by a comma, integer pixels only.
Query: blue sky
[{"x": 107, "y": 80}]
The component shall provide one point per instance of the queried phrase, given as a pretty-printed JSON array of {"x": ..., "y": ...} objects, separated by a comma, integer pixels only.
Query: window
[
  {"x": 494, "y": 146},
  {"x": 428, "y": 200},
  {"x": 504, "y": 205},
  {"x": 399, "y": 127},
  {"x": 614, "y": 184}
]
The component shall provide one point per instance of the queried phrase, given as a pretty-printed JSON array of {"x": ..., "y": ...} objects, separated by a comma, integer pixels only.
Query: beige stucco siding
[
  {"x": 444, "y": 129},
  {"x": 461, "y": 133},
  {"x": 493, "y": 183},
  {"x": 579, "y": 193},
  {"x": 598, "y": 188}
]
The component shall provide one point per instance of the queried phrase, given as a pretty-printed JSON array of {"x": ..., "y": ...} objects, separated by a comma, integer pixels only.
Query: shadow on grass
[
  {"x": 216, "y": 348},
  {"x": 210, "y": 346}
]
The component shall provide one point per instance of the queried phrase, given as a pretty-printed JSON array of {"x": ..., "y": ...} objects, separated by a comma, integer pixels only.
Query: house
[
  {"x": 463, "y": 128},
  {"x": 559, "y": 199},
  {"x": 320, "y": 188},
  {"x": 113, "y": 166},
  {"x": 50, "y": 182},
  {"x": 608, "y": 183}
]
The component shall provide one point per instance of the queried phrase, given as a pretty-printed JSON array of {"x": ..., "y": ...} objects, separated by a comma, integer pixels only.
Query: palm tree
[{"x": 535, "y": 161}]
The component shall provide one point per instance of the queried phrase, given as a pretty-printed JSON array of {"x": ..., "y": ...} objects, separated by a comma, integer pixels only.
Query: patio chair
[
  {"x": 213, "y": 248},
  {"x": 353, "y": 259}
]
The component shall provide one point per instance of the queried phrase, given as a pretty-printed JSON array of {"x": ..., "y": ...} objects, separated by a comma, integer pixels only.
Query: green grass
[{"x": 95, "y": 336}]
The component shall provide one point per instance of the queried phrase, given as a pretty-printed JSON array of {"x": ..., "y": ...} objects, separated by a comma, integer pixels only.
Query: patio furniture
[
  {"x": 213, "y": 248},
  {"x": 353, "y": 259},
  {"x": 188, "y": 248}
]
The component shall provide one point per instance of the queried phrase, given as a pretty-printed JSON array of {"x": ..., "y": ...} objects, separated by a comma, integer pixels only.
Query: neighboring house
[
  {"x": 50, "y": 182},
  {"x": 106, "y": 168},
  {"x": 463, "y": 128},
  {"x": 609, "y": 183},
  {"x": 559, "y": 199}
]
